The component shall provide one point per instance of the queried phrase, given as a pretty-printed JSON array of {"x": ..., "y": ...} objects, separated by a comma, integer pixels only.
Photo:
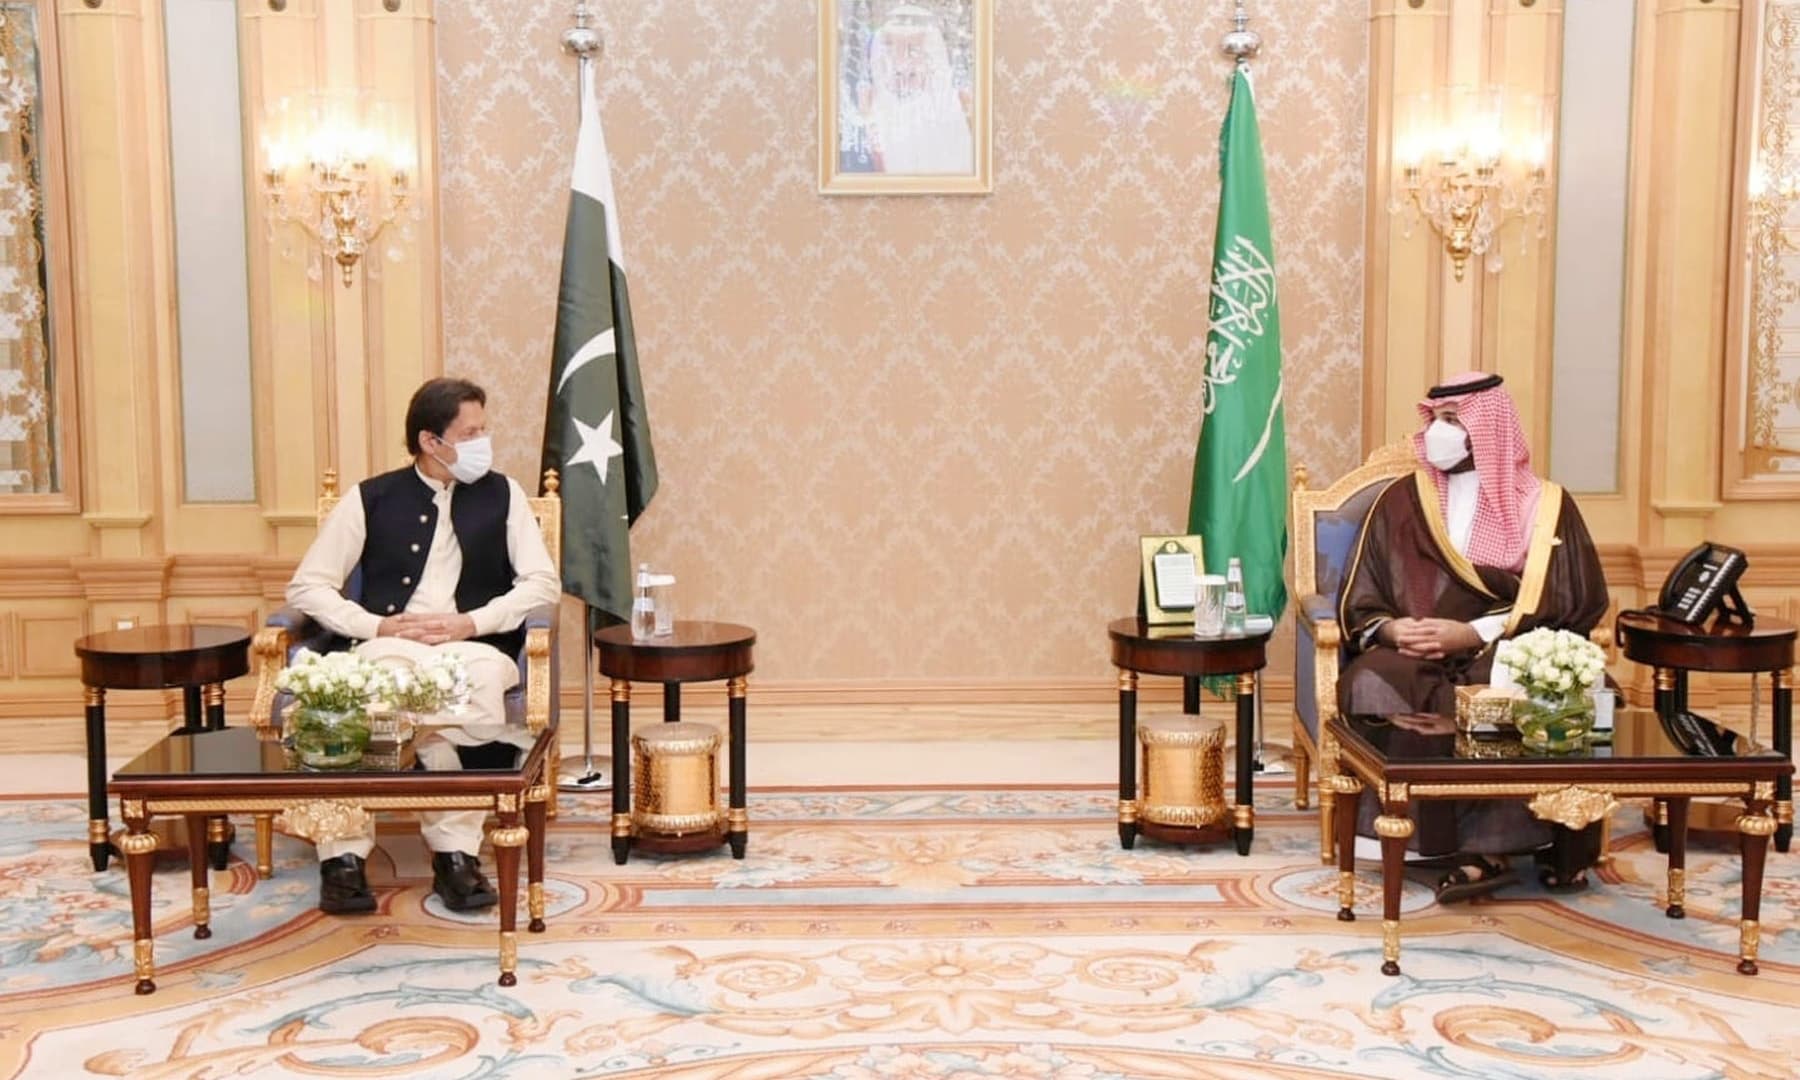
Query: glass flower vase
[
  {"x": 329, "y": 738},
  {"x": 1555, "y": 726}
]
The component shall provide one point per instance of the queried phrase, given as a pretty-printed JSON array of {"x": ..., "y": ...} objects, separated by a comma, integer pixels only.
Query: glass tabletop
[
  {"x": 1638, "y": 735},
  {"x": 242, "y": 752}
]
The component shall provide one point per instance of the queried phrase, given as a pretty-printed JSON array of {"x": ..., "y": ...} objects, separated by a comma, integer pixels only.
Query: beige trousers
[{"x": 491, "y": 675}]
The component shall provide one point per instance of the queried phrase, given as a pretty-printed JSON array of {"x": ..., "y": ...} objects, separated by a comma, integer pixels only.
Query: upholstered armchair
[
  {"x": 1324, "y": 529},
  {"x": 533, "y": 702}
]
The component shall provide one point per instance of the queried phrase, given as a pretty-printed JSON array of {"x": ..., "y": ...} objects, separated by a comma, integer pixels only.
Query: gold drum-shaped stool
[
  {"x": 675, "y": 782},
  {"x": 1184, "y": 773}
]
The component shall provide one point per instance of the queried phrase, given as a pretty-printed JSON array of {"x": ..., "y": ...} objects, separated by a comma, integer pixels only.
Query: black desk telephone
[
  {"x": 1697, "y": 736},
  {"x": 1703, "y": 581}
]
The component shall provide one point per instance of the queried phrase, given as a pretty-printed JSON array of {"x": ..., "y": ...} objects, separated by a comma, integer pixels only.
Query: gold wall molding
[
  {"x": 1424, "y": 323},
  {"x": 1762, "y": 423}
]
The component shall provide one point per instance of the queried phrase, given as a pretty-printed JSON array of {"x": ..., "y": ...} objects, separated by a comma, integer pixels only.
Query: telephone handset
[
  {"x": 1697, "y": 736},
  {"x": 1703, "y": 581}
]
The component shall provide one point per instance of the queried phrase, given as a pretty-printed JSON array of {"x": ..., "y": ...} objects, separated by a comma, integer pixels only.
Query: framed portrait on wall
[{"x": 905, "y": 97}]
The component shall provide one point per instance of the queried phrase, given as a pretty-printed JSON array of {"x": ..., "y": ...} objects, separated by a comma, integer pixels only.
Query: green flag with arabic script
[{"x": 1239, "y": 501}]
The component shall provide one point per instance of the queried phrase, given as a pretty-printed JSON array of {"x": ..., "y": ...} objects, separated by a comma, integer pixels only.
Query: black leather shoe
[
  {"x": 458, "y": 881},
  {"x": 343, "y": 887}
]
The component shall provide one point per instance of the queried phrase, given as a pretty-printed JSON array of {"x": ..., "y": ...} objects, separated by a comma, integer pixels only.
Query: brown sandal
[{"x": 1460, "y": 884}]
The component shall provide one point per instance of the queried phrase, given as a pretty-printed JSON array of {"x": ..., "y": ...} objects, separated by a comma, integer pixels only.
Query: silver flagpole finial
[
  {"x": 1241, "y": 43},
  {"x": 581, "y": 39}
]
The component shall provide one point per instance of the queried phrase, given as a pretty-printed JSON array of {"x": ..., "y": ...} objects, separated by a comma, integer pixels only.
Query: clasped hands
[
  {"x": 428, "y": 629},
  {"x": 1428, "y": 639}
]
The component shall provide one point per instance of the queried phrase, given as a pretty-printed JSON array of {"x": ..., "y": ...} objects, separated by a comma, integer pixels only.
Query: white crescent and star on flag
[
  {"x": 598, "y": 447},
  {"x": 602, "y": 344},
  {"x": 593, "y": 178}
]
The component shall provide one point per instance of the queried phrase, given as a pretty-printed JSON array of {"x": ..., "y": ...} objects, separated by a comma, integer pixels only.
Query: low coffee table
[
  {"x": 199, "y": 659},
  {"x": 244, "y": 771},
  {"x": 1571, "y": 790}
]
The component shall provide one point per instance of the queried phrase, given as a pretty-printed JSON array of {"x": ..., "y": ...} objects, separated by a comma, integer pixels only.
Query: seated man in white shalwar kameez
[{"x": 452, "y": 560}]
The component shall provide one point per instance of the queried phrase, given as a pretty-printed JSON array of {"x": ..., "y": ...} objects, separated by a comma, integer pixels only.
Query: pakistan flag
[
  {"x": 596, "y": 429},
  {"x": 1239, "y": 503}
]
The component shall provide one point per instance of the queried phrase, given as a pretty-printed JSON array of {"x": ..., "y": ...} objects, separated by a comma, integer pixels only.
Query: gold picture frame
[
  {"x": 944, "y": 46},
  {"x": 1154, "y": 610}
]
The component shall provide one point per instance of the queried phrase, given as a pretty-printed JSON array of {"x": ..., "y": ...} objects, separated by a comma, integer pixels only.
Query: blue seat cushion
[{"x": 1334, "y": 537}]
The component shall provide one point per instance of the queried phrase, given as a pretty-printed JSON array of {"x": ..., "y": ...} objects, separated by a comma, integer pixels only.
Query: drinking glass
[
  {"x": 1209, "y": 605},
  {"x": 662, "y": 593}
]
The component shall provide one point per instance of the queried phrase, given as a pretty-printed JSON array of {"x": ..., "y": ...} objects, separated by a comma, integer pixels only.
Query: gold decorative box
[
  {"x": 1184, "y": 772},
  {"x": 675, "y": 779},
  {"x": 1488, "y": 749},
  {"x": 1481, "y": 709}
]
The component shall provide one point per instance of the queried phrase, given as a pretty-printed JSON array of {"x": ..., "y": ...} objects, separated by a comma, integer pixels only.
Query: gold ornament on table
[
  {"x": 1468, "y": 161},
  {"x": 341, "y": 168},
  {"x": 1483, "y": 710}
]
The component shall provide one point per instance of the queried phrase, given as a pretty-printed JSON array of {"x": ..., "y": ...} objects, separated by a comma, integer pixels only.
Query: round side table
[
  {"x": 1674, "y": 648},
  {"x": 199, "y": 659},
  {"x": 1139, "y": 649},
  {"x": 695, "y": 652}
]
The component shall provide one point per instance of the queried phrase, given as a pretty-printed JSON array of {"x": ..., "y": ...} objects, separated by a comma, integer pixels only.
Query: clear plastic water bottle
[
  {"x": 643, "y": 607},
  {"x": 1235, "y": 608}
]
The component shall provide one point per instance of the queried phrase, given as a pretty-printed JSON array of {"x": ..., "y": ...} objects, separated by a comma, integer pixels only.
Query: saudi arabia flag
[
  {"x": 1239, "y": 504},
  {"x": 596, "y": 429}
]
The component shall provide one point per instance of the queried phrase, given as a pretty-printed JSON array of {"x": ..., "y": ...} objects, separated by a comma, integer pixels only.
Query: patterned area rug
[{"x": 884, "y": 934}]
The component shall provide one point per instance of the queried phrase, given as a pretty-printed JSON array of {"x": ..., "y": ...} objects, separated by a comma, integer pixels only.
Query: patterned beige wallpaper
[{"x": 908, "y": 438}]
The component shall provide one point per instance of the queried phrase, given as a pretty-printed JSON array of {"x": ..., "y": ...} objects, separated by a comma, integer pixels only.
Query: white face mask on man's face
[
  {"x": 474, "y": 457},
  {"x": 1446, "y": 445}
]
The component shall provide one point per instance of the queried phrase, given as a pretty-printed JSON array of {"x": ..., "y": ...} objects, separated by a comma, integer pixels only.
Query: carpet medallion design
[{"x": 885, "y": 934}]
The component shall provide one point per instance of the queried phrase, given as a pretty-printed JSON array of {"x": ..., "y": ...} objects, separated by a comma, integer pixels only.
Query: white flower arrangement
[
  {"x": 1553, "y": 665},
  {"x": 439, "y": 685},
  {"x": 335, "y": 682}
]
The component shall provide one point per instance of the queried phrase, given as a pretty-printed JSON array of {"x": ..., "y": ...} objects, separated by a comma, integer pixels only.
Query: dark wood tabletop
[
  {"x": 1653, "y": 639},
  {"x": 1174, "y": 650},
  {"x": 246, "y": 763},
  {"x": 156, "y": 657},
  {"x": 695, "y": 652}
]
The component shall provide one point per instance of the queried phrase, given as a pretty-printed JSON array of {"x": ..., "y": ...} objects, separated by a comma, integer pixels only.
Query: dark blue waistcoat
[{"x": 400, "y": 518}]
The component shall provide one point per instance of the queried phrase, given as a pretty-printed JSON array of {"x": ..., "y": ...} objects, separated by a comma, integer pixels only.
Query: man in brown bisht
[{"x": 1469, "y": 550}]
